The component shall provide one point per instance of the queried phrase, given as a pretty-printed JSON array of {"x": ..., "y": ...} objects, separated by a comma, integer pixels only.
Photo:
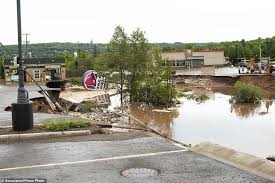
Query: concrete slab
[
  {"x": 103, "y": 162},
  {"x": 253, "y": 164}
]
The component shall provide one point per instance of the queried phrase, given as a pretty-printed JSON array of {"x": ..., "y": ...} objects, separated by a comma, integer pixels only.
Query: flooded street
[{"x": 246, "y": 128}]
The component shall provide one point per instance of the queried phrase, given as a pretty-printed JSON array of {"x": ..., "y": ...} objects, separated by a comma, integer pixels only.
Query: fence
[{"x": 74, "y": 73}]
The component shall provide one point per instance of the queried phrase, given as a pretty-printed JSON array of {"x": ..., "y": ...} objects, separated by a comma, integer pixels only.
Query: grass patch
[
  {"x": 247, "y": 93},
  {"x": 271, "y": 158},
  {"x": 55, "y": 125}
]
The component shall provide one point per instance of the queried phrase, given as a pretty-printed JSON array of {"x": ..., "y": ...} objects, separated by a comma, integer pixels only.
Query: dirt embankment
[{"x": 264, "y": 81}]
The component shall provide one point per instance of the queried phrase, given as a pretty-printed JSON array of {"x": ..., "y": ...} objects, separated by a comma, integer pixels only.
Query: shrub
[
  {"x": 55, "y": 125},
  {"x": 202, "y": 98},
  {"x": 247, "y": 93},
  {"x": 190, "y": 96},
  {"x": 199, "y": 98},
  {"x": 158, "y": 95}
]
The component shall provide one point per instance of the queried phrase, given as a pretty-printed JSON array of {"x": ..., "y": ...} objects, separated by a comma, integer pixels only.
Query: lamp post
[{"x": 22, "y": 114}]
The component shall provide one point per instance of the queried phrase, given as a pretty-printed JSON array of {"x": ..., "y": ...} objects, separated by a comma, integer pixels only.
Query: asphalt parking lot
[{"x": 103, "y": 161}]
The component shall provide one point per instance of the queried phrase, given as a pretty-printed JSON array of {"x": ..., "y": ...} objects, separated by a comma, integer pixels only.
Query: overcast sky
[{"x": 162, "y": 20}]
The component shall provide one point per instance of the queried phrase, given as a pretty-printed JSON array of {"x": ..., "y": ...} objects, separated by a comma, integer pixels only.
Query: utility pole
[
  {"x": 260, "y": 65},
  {"x": 22, "y": 113},
  {"x": 26, "y": 44},
  {"x": 260, "y": 51}
]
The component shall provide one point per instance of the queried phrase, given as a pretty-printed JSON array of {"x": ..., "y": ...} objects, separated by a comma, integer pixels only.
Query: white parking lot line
[{"x": 93, "y": 160}]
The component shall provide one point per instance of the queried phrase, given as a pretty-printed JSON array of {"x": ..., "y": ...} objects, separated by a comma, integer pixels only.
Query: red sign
[{"x": 91, "y": 81}]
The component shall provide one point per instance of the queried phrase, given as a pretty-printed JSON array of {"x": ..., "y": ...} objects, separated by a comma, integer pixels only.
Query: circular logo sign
[{"x": 91, "y": 81}]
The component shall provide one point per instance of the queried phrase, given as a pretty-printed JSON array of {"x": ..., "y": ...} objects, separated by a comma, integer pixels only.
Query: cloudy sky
[{"x": 162, "y": 20}]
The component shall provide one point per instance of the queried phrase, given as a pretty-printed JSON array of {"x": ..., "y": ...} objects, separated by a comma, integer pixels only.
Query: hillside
[{"x": 233, "y": 49}]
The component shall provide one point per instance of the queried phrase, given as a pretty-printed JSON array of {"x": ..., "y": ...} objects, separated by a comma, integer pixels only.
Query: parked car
[
  {"x": 242, "y": 64},
  {"x": 15, "y": 78},
  {"x": 272, "y": 68},
  {"x": 48, "y": 78}
]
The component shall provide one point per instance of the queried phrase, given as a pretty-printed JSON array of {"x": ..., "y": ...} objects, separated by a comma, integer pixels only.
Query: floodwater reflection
[
  {"x": 247, "y": 128},
  {"x": 249, "y": 110},
  {"x": 244, "y": 110},
  {"x": 160, "y": 121}
]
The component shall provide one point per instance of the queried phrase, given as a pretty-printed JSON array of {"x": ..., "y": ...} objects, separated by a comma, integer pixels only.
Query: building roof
[
  {"x": 38, "y": 61},
  {"x": 207, "y": 50},
  {"x": 176, "y": 51}
]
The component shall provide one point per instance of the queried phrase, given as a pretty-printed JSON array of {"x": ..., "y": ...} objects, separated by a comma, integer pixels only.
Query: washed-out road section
[{"x": 8, "y": 95}]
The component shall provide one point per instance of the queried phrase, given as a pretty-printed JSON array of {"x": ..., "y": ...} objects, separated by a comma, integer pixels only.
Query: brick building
[{"x": 193, "y": 59}]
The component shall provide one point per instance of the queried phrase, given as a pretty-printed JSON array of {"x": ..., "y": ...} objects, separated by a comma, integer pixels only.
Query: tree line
[{"x": 233, "y": 49}]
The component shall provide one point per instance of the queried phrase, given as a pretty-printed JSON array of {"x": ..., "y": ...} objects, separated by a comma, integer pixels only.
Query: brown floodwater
[{"x": 246, "y": 128}]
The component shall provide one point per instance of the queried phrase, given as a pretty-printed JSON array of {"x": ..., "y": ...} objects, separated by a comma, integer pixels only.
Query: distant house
[
  {"x": 41, "y": 69},
  {"x": 193, "y": 59}
]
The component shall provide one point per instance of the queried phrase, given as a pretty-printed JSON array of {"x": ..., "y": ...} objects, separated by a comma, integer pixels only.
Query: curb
[
  {"x": 249, "y": 163},
  {"x": 44, "y": 135}
]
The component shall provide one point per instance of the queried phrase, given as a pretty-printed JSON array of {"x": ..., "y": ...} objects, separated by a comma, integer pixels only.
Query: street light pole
[
  {"x": 22, "y": 94},
  {"x": 22, "y": 114}
]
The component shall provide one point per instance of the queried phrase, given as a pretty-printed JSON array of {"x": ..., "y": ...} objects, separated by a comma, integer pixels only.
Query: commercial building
[
  {"x": 194, "y": 59},
  {"x": 41, "y": 69}
]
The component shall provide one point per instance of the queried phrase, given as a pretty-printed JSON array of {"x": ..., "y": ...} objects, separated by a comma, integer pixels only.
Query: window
[
  {"x": 173, "y": 64},
  {"x": 179, "y": 63},
  {"x": 37, "y": 74}
]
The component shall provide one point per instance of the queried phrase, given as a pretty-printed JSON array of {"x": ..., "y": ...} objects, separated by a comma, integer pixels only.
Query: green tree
[
  {"x": 140, "y": 68},
  {"x": 69, "y": 59},
  {"x": 159, "y": 89},
  {"x": 84, "y": 60},
  {"x": 138, "y": 63},
  {"x": 100, "y": 63},
  {"x": 118, "y": 56}
]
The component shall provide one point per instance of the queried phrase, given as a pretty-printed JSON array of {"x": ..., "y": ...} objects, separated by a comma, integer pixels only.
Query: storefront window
[{"x": 37, "y": 74}]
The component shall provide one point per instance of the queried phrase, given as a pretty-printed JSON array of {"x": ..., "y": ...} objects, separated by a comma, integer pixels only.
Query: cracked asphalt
[{"x": 8, "y": 95}]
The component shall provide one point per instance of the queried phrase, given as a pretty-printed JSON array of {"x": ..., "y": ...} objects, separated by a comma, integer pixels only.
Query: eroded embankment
[{"x": 266, "y": 82}]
